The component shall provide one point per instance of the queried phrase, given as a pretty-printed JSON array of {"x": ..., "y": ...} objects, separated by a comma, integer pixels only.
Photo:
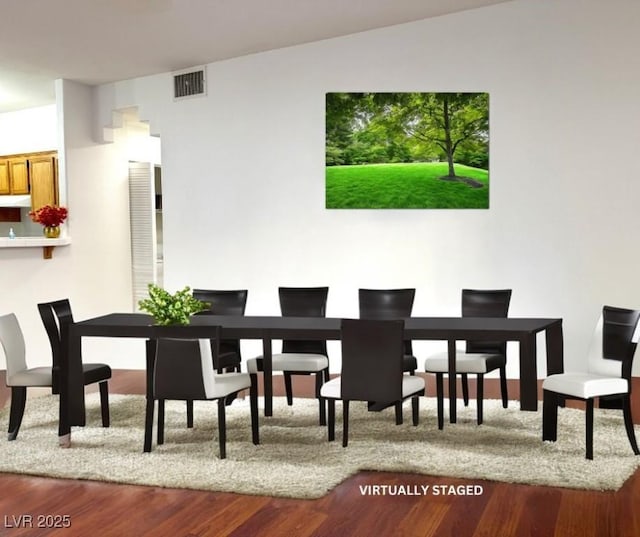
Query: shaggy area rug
[{"x": 294, "y": 458}]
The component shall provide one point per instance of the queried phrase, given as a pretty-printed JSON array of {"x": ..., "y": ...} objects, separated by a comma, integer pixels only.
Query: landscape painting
[{"x": 407, "y": 151}]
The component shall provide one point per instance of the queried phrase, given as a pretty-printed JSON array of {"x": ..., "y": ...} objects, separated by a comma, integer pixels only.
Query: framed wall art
[{"x": 407, "y": 151}]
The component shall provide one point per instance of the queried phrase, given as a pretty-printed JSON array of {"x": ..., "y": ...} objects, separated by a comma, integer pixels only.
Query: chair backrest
[
  {"x": 54, "y": 316},
  {"x": 387, "y": 304},
  {"x": 614, "y": 342},
  {"x": 224, "y": 302},
  {"x": 184, "y": 369},
  {"x": 12, "y": 342},
  {"x": 486, "y": 303},
  {"x": 303, "y": 302},
  {"x": 372, "y": 353}
]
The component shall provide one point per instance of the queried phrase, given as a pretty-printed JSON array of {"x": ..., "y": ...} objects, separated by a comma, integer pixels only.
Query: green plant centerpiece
[{"x": 167, "y": 309}]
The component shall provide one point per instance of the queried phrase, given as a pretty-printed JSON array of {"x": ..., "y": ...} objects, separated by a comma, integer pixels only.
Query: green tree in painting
[{"x": 367, "y": 128}]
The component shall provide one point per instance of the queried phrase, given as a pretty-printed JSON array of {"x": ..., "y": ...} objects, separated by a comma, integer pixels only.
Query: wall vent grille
[{"x": 189, "y": 84}]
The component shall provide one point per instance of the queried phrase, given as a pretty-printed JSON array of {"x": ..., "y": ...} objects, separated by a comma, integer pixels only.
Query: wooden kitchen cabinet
[
  {"x": 43, "y": 176},
  {"x": 34, "y": 174},
  {"x": 14, "y": 176},
  {"x": 4, "y": 177},
  {"x": 19, "y": 175}
]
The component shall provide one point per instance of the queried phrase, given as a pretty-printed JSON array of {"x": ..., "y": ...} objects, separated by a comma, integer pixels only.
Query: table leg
[
  {"x": 555, "y": 349},
  {"x": 148, "y": 422},
  {"x": 528, "y": 373},
  {"x": 267, "y": 375},
  {"x": 452, "y": 381},
  {"x": 71, "y": 404}
]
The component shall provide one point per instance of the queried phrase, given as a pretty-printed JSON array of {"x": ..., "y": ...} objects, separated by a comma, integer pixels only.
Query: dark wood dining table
[{"x": 268, "y": 329}]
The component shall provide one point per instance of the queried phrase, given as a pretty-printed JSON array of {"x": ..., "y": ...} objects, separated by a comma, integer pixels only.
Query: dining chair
[
  {"x": 607, "y": 376},
  {"x": 225, "y": 302},
  {"x": 372, "y": 370},
  {"x": 55, "y": 315},
  {"x": 390, "y": 304},
  {"x": 19, "y": 376},
  {"x": 300, "y": 357},
  {"x": 479, "y": 357},
  {"x": 184, "y": 371}
]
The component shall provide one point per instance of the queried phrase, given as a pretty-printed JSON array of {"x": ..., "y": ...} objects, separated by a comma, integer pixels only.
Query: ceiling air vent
[{"x": 189, "y": 84}]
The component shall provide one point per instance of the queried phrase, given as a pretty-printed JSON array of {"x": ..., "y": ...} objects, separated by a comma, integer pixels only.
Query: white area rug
[{"x": 294, "y": 458}]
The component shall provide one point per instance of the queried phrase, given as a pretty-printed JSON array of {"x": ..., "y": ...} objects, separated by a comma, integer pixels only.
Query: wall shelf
[{"x": 47, "y": 245}]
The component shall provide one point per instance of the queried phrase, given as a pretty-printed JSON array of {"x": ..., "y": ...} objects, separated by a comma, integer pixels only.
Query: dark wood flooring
[{"x": 502, "y": 510}]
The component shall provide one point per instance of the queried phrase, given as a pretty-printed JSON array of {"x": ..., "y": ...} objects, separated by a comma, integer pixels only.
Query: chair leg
[
  {"x": 465, "y": 388},
  {"x": 322, "y": 411},
  {"x": 415, "y": 409},
  {"x": 222, "y": 428},
  {"x": 503, "y": 387},
  {"x": 345, "y": 423},
  {"x": 331, "y": 425},
  {"x": 253, "y": 401},
  {"x": 549, "y": 416},
  {"x": 589, "y": 429},
  {"x": 628, "y": 423},
  {"x": 160, "y": 422},
  {"x": 398, "y": 407},
  {"x": 288, "y": 388},
  {"x": 18, "y": 402},
  {"x": 440, "y": 398},
  {"x": 480, "y": 396},
  {"x": 104, "y": 403},
  {"x": 189, "y": 414}
]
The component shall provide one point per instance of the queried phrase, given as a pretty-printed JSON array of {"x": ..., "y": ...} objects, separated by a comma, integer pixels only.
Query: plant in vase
[
  {"x": 51, "y": 217},
  {"x": 166, "y": 308}
]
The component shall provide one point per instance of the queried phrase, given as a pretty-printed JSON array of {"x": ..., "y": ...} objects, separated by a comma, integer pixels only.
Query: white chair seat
[
  {"x": 476, "y": 363},
  {"x": 228, "y": 383},
  {"x": 36, "y": 376},
  {"x": 410, "y": 384},
  {"x": 292, "y": 361},
  {"x": 585, "y": 385}
]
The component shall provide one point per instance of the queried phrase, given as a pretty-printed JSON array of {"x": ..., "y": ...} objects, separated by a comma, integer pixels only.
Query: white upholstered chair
[
  {"x": 607, "y": 376},
  {"x": 478, "y": 357},
  {"x": 300, "y": 357},
  {"x": 19, "y": 376},
  {"x": 372, "y": 370},
  {"x": 184, "y": 371}
]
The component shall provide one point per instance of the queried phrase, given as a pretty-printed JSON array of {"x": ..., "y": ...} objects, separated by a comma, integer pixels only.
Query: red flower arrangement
[{"x": 49, "y": 215}]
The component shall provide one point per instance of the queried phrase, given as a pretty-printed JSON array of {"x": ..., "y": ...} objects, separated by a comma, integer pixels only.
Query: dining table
[{"x": 273, "y": 328}]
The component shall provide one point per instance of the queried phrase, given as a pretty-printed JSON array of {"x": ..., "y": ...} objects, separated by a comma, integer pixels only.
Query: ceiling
[{"x": 99, "y": 41}]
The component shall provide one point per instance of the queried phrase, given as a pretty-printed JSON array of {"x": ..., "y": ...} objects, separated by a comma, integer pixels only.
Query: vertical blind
[{"x": 143, "y": 229}]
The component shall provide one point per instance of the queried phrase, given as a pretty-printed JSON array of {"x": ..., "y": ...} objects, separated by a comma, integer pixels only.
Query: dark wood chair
[
  {"x": 607, "y": 376},
  {"x": 300, "y": 357},
  {"x": 184, "y": 371},
  {"x": 55, "y": 315},
  {"x": 225, "y": 302},
  {"x": 390, "y": 304},
  {"x": 372, "y": 370},
  {"x": 479, "y": 357},
  {"x": 222, "y": 302}
]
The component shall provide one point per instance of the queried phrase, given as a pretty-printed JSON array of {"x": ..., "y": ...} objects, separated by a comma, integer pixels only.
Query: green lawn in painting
[{"x": 400, "y": 186}]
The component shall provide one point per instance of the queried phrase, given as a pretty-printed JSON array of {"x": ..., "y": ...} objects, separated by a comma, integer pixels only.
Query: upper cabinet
[
  {"x": 44, "y": 181},
  {"x": 35, "y": 174},
  {"x": 5, "y": 187},
  {"x": 19, "y": 175}
]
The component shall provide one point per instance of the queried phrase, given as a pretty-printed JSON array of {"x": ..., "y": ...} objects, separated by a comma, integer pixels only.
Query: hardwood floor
[{"x": 501, "y": 510}]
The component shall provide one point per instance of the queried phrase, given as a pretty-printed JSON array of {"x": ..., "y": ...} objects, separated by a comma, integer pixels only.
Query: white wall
[
  {"x": 30, "y": 130},
  {"x": 94, "y": 272},
  {"x": 243, "y": 174},
  {"x": 26, "y": 131},
  {"x": 246, "y": 164}
]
